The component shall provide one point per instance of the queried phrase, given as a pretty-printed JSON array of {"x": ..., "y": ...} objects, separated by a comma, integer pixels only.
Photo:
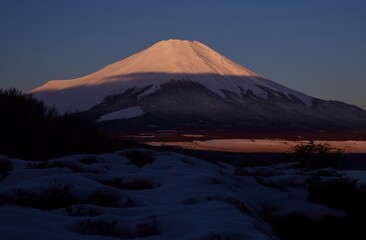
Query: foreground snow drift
[{"x": 142, "y": 193}]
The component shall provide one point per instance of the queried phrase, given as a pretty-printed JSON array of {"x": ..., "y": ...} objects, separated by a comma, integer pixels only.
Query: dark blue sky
[{"x": 314, "y": 46}]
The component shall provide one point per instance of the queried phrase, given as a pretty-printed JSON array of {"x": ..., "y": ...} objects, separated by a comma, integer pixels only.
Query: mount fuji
[{"x": 183, "y": 84}]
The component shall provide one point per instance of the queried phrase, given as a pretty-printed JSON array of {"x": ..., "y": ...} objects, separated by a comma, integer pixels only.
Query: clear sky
[{"x": 315, "y": 46}]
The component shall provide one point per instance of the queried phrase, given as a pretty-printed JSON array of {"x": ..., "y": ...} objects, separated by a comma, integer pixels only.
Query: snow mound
[{"x": 143, "y": 193}]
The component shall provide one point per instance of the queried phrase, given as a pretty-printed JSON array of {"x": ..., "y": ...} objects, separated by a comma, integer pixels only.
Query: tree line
[{"x": 31, "y": 130}]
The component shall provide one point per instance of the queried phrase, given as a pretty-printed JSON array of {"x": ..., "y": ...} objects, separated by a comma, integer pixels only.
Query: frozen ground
[{"x": 141, "y": 193}]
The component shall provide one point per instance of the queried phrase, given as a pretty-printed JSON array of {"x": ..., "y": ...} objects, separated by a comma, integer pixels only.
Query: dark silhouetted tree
[{"x": 29, "y": 129}]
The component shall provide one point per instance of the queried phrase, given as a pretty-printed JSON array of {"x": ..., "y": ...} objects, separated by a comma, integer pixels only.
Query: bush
[
  {"x": 71, "y": 134},
  {"x": 46, "y": 164},
  {"x": 109, "y": 228},
  {"x": 314, "y": 156},
  {"x": 99, "y": 227},
  {"x": 139, "y": 158},
  {"x": 57, "y": 196},
  {"x": 147, "y": 229},
  {"x": 22, "y": 124},
  {"x": 82, "y": 210},
  {"x": 130, "y": 202}
]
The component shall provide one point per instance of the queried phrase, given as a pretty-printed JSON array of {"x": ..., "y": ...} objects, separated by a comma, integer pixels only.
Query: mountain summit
[
  {"x": 156, "y": 65},
  {"x": 185, "y": 81}
]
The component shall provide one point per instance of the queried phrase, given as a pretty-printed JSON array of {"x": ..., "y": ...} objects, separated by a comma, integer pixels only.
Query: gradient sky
[{"x": 316, "y": 46}]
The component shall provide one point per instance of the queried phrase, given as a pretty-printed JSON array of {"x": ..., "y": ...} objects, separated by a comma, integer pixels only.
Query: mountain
[{"x": 181, "y": 83}]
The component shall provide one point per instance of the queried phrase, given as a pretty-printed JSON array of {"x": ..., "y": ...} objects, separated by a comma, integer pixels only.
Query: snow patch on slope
[
  {"x": 308, "y": 101},
  {"x": 126, "y": 113}
]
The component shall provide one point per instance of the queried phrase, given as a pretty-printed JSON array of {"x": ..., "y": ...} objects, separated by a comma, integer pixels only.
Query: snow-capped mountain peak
[{"x": 162, "y": 62}]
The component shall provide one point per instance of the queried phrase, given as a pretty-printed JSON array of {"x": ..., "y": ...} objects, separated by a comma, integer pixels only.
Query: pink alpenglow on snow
[{"x": 154, "y": 66}]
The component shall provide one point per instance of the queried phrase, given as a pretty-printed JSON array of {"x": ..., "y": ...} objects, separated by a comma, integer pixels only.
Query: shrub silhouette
[
  {"x": 99, "y": 227},
  {"x": 82, "y": 210},
  {"x": 147, "y": 229},
  {"x": 23, "y": 119},
  {"x": 56, "y": 196},
  {"x": 314, "y": 156}
]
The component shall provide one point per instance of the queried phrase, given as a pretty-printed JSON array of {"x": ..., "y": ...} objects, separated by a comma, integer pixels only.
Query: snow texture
[
  {"x": 156, "y": 65},
  {"x": 126, "y": 113},
  {"x": 357, "y": 174},
  {"x": 187, "y": 198}
]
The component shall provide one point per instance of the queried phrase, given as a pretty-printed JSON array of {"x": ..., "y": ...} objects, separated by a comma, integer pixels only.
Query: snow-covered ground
[
  {"x": 261, "y": 145},
  {"x": 357, "y": 174},
  {"x": 173, "y": 196},
  {"x": 126, "y": 113}
]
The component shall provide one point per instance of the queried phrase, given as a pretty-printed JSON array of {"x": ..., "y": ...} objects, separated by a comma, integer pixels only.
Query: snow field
[
  {"x": 126, "y": 113},
  {"x": 174, "y": 196}
]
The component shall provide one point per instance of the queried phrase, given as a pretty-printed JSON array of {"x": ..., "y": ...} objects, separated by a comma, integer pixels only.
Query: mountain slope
[{"x": 180, "y": 82}]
